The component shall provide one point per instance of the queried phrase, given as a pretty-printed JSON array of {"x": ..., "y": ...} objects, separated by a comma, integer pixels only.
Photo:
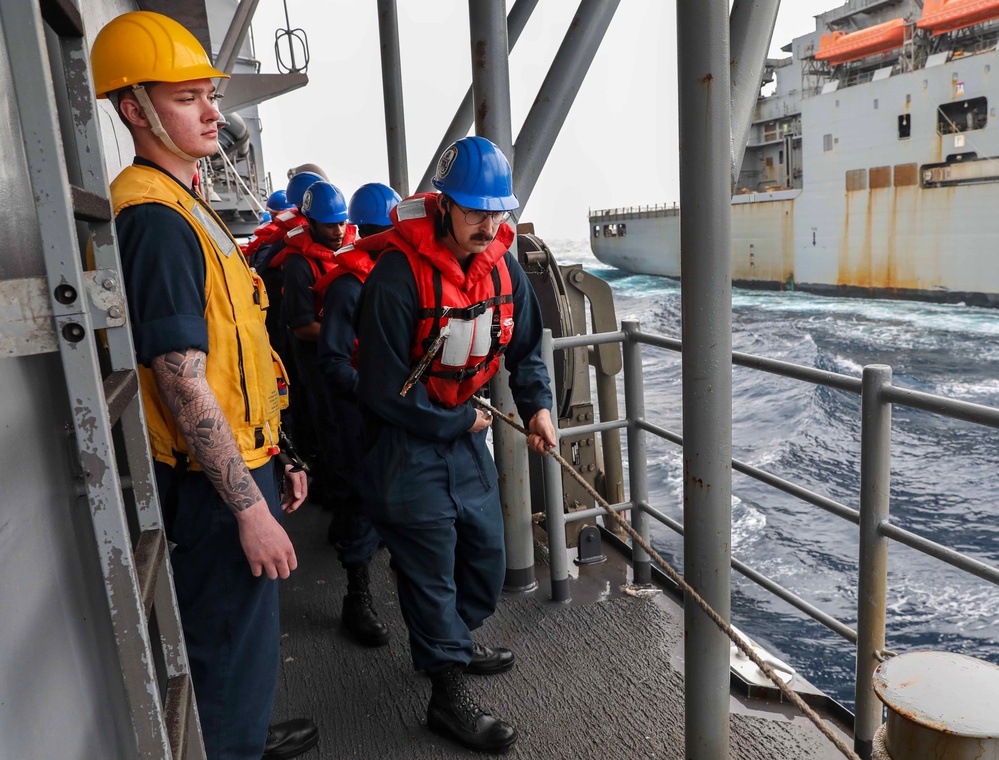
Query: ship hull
[{"x": 886, "y": 188}]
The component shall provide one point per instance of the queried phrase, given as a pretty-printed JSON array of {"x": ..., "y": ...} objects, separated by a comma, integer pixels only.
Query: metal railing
[
  {"x": 877, "y": 396},
  {"x": 634, "y": 212}
]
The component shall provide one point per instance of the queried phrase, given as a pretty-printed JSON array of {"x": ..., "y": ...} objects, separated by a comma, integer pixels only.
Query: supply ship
[
  {"x": 614, "y": 661},
  {"x": 870, "y": 168}
]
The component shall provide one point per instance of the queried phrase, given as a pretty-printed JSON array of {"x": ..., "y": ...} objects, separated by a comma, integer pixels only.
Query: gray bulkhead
[
  {"x": 61, "y": 689},
  {"x": 61, "y": 695}
]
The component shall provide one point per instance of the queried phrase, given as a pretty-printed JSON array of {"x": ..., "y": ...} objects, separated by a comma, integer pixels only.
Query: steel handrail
[{"x": 878, "y": 396}]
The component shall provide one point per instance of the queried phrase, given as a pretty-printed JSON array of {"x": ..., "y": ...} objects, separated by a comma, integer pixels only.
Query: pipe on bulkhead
[
  {"x": 751, "y": 28},
  {"x": 395, "y": 117},
  {"x": 491, "y": 104},
  {"x": 233, "y": 41},
  {"x": 463, "y": 117}
]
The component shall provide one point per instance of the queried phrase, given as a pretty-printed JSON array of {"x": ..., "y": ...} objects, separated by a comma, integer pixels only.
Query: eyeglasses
[{"x": 475, "y": 216}]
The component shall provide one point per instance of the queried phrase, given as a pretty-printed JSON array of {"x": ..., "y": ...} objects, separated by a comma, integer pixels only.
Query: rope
[
  {"x": 249, "y": 195},
  {"x": 688, "y": 590}
]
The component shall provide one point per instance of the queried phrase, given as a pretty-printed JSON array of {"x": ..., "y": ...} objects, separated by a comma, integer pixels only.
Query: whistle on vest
[{"x": 424, "y": 362}]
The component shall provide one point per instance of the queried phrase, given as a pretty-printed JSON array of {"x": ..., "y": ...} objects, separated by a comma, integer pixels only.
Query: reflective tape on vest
[
  {"x": 219, "y": 236},
  {"x": 468, "y": 338}
]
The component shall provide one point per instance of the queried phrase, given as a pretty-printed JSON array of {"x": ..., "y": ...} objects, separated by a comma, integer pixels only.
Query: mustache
[{"x": 481, "y": 237}]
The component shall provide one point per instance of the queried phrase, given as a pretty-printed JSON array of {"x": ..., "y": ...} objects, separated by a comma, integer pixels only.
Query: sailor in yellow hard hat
[{"x": 210, "y": 386}]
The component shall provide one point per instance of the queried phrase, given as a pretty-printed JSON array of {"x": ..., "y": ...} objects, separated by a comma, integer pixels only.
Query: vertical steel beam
[
  {"x": 872, "y": 572},
  {"x": 491, "y": 72},
  {"x": 458, "y": 128},
  {"x": 491, "y": 105},
  {"x": 706, "y": 305},
  {"x": 558, "y": 91},
  {"x": 558, "y": 555},
  {"x": 752, "y": 27},
  {"x": 233, "y": 40},
  {"x": 638, "y": 476},
  {"x": 395, "y": 118}
]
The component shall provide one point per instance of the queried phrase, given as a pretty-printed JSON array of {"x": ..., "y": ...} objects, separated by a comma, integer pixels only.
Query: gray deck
[{"x": 598, "y": 678}]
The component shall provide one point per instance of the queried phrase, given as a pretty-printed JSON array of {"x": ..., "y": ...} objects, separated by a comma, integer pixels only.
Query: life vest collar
[{"x": 417, "y": 219}]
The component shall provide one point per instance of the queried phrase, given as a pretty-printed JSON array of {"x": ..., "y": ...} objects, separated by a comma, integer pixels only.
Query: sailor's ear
[{"x": 130, "y": 111}]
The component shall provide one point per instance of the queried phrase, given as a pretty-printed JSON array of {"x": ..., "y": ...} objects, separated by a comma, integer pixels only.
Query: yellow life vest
[{"x": 242, "y": 369}]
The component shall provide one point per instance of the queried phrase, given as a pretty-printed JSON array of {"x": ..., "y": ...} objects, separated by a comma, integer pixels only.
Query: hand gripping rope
[{"x": 688, "y": 591}]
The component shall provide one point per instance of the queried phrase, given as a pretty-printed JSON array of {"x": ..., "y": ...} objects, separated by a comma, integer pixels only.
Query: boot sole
[
  {"x": 367, "y": 643},
  {"x": 495, "y": 749},
  {"x": 286, "y": 754},
  {"x": 475, "y": 671}
]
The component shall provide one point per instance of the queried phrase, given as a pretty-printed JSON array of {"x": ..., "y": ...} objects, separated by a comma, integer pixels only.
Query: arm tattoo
[{"x": 180, "y": 378}]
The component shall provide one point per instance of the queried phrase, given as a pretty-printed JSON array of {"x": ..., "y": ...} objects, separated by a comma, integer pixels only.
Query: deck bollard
[{"x": 940, "y": 705}]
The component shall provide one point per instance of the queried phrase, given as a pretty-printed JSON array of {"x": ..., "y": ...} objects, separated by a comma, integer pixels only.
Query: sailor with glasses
[{"x": 444, "y": 304}]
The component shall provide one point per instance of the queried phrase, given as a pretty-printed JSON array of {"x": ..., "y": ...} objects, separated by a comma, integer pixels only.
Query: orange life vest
[
  {"x": 475, "y": 306},
  {"x": 257, "y": 239},
  {"x": 278, "y": 228},
  {"x": 300, "y": 243},
  {"x": 357, "y": 258}
]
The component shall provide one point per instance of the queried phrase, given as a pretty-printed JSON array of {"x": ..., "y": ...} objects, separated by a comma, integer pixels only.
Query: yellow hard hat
[{"x": 143, "y": 46}]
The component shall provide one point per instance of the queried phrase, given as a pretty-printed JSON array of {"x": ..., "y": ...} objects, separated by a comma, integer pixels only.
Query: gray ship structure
[
  {"x": 614, "y": 660},
  {"x": 871, "y": 167}
]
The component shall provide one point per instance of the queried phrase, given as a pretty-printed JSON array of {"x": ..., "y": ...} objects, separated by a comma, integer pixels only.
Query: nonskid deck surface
[{"x": 597, "y": 678}]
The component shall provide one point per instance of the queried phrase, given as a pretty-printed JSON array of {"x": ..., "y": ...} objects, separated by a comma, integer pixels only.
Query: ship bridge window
[
  {"x": 962, "y": 116},
  {"x": 610, "y": 230},
  {"x": 904, "y": 126},
  {"x": 596, "y": 230},
  {"x": 622, "y": 229},
  {"x": 826, "y": 143}
]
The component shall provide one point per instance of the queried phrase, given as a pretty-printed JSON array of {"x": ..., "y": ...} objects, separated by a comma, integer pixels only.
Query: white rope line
[
  {"x": 250, "y": 195},
  {"x": 689, "y": 591}
]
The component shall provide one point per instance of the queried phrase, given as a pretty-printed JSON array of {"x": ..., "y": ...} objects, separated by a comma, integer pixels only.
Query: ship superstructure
[{"x": 870, "y": 168}]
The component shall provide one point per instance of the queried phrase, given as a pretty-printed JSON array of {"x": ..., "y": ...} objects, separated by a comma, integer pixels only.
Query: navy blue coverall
[
  {"x": 334, "y": 352},
  {"x": 432, "y": 488},
  {"x": 230, "y": 618}
]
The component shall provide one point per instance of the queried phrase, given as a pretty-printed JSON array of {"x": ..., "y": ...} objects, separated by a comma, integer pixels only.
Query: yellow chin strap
[{"x": 157, "y": 126}]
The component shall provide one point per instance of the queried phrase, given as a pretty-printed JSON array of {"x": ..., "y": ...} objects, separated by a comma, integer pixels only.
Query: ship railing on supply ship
[
  {"x": 633, "y": 212},
  {"x": 878, "y": 396}
]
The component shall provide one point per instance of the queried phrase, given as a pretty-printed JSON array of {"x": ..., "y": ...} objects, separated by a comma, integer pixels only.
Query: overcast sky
[{"x": 618, "y": 146}]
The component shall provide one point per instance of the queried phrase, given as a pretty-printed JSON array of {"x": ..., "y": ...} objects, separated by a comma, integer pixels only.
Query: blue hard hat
[
  {"x": 297, "y": 186},
  {"x": 324, "y": 203},
  {"x": 476, "y": 174},
  {"x": 372, "y": 203},
  {"x": 278, "y": 201}
]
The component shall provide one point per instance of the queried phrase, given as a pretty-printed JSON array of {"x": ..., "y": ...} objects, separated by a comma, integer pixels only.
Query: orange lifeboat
[
  {"x": 841, "y": 47},
  {"x": 941, "y": 16}
]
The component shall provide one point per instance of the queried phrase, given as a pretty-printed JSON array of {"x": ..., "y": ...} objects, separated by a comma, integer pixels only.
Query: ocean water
[{"x": 944, "y": 473}]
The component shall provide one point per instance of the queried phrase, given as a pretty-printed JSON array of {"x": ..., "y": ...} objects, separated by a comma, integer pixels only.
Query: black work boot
[
  {"x": 290, "y": 739},
  {"x": 490, "y": 661},
  {"x": 453, "y": 713},
  {"x": 359, "y": 616}
]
